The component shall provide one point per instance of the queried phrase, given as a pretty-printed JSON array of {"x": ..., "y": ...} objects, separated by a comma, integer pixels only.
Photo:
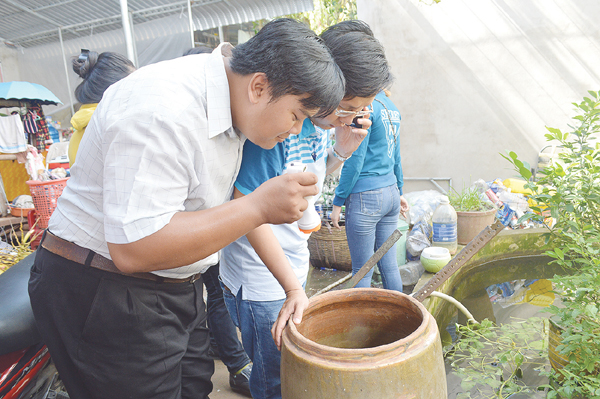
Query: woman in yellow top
[{"x": 98, "y": 72}]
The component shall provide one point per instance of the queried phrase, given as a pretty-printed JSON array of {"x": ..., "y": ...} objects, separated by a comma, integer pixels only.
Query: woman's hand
[
  {"x": 293, "y": 307},
  {"x": 403, "y": 206},
  {"x": 335, "y": 216},
  {"x": 348, "y": 138}
]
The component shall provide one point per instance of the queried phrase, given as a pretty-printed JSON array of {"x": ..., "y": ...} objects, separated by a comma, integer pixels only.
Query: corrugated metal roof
[{"x": 29, "y": 23}]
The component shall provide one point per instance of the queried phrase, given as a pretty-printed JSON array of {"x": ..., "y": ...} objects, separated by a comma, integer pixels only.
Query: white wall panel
[{"x": 477, "y": 77}]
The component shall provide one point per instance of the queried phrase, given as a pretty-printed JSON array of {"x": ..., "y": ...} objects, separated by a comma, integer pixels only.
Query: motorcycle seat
[{"x": 17, "y": 325}]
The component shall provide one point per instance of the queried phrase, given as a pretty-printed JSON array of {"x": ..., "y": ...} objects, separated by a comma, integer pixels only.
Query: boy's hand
[
  {"x": 293, "y": 308},
  {"x": 281, "y": 199}
]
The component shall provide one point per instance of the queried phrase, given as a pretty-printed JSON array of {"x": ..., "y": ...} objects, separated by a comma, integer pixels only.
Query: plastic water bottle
[{"x": 444, "y": 226}]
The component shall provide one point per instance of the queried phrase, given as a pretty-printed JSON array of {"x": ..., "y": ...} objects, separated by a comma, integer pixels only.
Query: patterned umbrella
[{"x": 26, "y": 91}]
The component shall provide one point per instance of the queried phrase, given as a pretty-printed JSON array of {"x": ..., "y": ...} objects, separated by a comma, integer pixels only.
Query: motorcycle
[{"x": 26, "y": 369}]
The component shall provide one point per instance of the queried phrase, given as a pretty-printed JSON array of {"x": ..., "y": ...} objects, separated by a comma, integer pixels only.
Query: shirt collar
[
  {"x": 218, "y": 105},
  {"x": 308, "y": 128}
]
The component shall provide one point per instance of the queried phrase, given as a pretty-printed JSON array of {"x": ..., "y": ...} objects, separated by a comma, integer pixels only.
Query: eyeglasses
[{"x": 342, "y": 113}]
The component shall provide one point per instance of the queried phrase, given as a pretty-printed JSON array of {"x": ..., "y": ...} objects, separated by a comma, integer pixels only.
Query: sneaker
[{"x": 240, "y": 381}]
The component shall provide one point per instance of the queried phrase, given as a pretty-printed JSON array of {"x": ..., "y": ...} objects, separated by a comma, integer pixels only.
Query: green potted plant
[
  {"x": 473, "y": 213},
  {"x": 567, "y": 201},
  {"x": 491, "y": 359}
]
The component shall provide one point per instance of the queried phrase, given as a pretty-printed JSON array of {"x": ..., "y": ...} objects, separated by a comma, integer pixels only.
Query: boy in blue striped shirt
[{"x": 263, "y": 273}]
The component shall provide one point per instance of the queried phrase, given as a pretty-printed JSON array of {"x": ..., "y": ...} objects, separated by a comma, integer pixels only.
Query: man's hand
[
  {"x": 348, "y": 138},
  {"x": 293, "y": 308},
  {"x": 281, "y": 199}
]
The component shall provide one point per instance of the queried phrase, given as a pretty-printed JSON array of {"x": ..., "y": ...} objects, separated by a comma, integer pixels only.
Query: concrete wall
[{"x": 477, "y": 77}]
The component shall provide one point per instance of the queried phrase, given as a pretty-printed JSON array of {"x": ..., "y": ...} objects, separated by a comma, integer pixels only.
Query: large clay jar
[
  {"x": 363, "y": 343},
  {"x": 557, "y": 361}
]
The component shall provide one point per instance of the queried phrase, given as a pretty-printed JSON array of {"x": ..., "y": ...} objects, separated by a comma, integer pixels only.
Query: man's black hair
[
  {"x": 295, "y": 61},
  {"x": 360, "y": 56}
]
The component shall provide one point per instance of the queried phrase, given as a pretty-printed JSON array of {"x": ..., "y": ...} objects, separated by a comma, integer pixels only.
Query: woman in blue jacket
[{"x": 371, "y": 187}]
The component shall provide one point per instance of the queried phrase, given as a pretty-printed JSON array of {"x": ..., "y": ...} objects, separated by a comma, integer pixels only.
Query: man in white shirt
[
  {"x": 116, "y": 287},
  {"x": 264, "y": 273}
]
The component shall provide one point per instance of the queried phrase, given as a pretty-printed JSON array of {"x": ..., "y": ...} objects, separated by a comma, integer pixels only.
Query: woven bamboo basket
[{"x": 329, "y": 248}]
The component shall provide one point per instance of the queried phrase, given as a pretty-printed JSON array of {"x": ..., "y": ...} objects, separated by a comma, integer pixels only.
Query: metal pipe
[
  {"x": 32, "y": 12},
  {"x": 376, "y": 257},
  {"x": 127, "y": 30},
  {"x": 332, "y": 285},
  {"x": 432, "y": 180},
  {"x": 191, "y": 20},
  {"x": 221, "y": 38},
  {"x": 158, "y": 10},
  {"x": 135, "y": 61},
  {"x": 369, "y": 264},
  {"x": 64, "y": 56},
  {"x": 4, "y": 204}
]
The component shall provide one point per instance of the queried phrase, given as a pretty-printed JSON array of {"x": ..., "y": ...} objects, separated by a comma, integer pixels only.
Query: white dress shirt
[{"x": 161, "y": 141}]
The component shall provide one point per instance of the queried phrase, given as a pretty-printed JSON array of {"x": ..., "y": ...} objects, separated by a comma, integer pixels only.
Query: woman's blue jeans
[{"x": 371, "y": 217}]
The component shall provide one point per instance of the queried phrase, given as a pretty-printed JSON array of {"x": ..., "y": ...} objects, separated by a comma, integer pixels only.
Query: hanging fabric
[
  {"x": 29, "y": 122},
  {"x": 12, "y": 135},
  {"x": 42, "y": 135}
]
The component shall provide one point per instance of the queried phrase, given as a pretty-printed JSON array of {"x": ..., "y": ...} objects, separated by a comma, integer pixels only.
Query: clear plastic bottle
[{"x": 444, "y": 226}]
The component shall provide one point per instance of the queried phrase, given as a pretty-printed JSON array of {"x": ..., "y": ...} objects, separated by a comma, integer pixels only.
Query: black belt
[{"x": 75, "y": 253}]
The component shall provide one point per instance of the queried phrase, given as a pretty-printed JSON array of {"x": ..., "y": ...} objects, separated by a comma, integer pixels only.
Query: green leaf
[
  {"x": 519, "y": 359},
  {"x": 519, "y": 373},
  {"x": 591, "y": 310},
  {"x": 555, "y": 131}
]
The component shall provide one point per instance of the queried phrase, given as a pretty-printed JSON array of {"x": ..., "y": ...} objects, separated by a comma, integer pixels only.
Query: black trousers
[
  {"x": 222, "y": 329},
  {"x": 113, "y": 336}
]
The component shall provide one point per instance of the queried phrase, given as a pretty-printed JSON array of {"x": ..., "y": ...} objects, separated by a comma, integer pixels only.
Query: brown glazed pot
[
  {"x": 557, "y": 360},
  {"x": 363, "y": 343},
  {"x": 469, "y": 224}
]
